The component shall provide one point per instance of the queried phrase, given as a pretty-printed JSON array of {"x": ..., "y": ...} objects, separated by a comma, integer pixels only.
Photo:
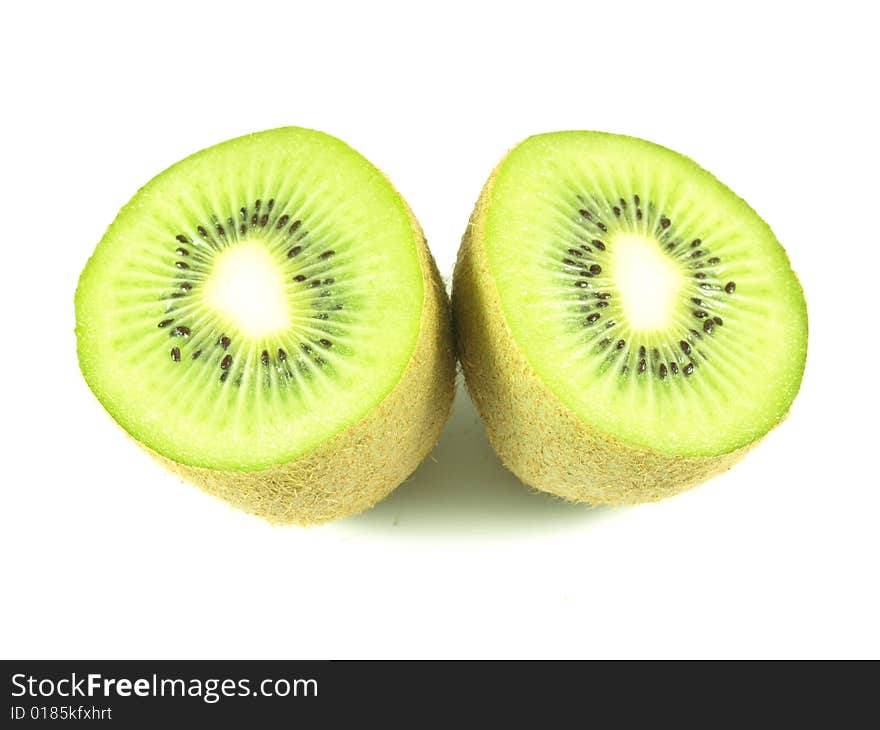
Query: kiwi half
[
  {"x": 265, "y": 318},
  {"x": 627, "y": 325}
]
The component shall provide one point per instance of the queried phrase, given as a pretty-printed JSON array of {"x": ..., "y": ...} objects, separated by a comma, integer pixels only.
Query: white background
[{"x": 106, "y": 555}]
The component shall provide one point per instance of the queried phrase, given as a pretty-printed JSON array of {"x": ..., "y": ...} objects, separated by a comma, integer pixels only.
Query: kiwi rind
[
  {"x": 359, "y": 467},
  {"x": 537, "y": 437}
]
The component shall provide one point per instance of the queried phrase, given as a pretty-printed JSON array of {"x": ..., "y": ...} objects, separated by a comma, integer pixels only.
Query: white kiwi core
[
  {"x": 648, "y": 280},
  {"x": 247, "y": 287}
]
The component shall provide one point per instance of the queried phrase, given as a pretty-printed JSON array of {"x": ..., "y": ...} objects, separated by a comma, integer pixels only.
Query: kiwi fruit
[
  {"x": 265, "y": 318},
  {"x": 627, "y": 325}
]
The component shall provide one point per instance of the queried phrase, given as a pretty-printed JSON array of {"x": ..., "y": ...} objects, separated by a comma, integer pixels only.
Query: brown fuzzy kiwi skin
[
  {"x": 360, "y": 466},
  {"x": 540, "y": 440}
]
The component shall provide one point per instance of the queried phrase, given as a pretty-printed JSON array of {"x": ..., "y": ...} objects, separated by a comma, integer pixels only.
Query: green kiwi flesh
[
  {"x": 260, "y": 314},
  {"x": 627, "y": 325}
]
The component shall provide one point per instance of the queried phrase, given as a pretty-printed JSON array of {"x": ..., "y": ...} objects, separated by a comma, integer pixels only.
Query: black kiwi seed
[
  {"x": 642, "y": 351},
  {"x": 295, "y": 251},
  {"x": 258, "y": 204},
  {"x": 662, "y": 371},
  {"x": 709, "y": 325},
  {"x": 730, "y": 287},
  {"x": 264, "y": 219},
  {"x": 664, "y": 222},
  {"x": 602, "y": 227},
  {"x": 224, "y": 376},
  {"x": 637, "y": 200},
  {"x": 575, "y": 252},
  {"x": 718, "y": 321},
  {"x": 714, "y": 260},
  {"x": 616, "y": 211},
  {"x": 165, "y": 323},
  {"x": 688, "y": 369},
  {"x": 639, "y": 213},
  {"x": 685, "y": 347},
  {"x": 593, "y": 317},
  {"x": 698, "y": 302},
  {"x": 281, "y": 354},
  {"x": 315, "y": 283},
  {"x": 182, "y": 331},
  {"x": 699, "y": 275},
  {"x": 327, "y": 254},
  {"x": 243, "y": 213},
  {"x": 598, "y": 244},
  {"x": 182, "y": 239},
  {"x": 622, "y": 203},
  {"x": 224, "y": 342},
  {"x": 226, "y": 362},
  {"x": 329, "y": 280},
  {"x": 282, "y": 221},
  {"x": 181, "y": 264},
  {"x": 586, "y": 214},
  {"x": 295, "y": 225},
  {"x": 673, "y": 366},
  {"x": 620, "y": 344},
  {"x": 195, "y": 355},
  {"x": 601, "y": 305},
  {"x": 299, "y": 277},
  {"x": 220, "y": 230},
  {"x": 271, "y": 204},
  {"x": 595, "y": 269},
  {"x": 700, "y": 314},
  {"x": 604, "y": 343},
  {"x": 581, "y": 284},
  {"x": 181, "y": 251},
  {"x": 325, "y": 342},
  {"x": 202, "y": 232},
  {"x": 264, "y": 357},
  {"x": 175, "y": 354},
  {"x": 696, "y": 242},
  {"x": 642, "y": 365}
]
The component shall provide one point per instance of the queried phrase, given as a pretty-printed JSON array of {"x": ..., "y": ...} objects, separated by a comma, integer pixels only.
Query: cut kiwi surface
[
  {"x": 265, "y": 317},
  {"x": 628, "y": 326}
]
